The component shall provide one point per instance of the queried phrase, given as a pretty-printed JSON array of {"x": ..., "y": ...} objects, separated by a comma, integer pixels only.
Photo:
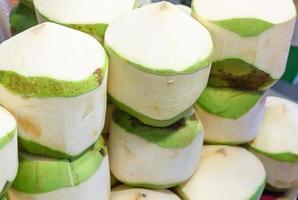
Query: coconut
[
  {"x": 84, "y": 177},
  {"x": 53, "y": 80},
  {"x": 225, "y": 172},
  {"x": 110, "y": 110},
  {"x": 133, "y": 146},
  {"x": 126, "y": 193},
  {"x": 276, "y": 144},
  {"x": 8, "y": 149},
  {"x": 251, "y": 40},
  {"x": 90, "y": 16},
  {"x": 155, "y": 64},
  {"x": 230, "y": 116}
]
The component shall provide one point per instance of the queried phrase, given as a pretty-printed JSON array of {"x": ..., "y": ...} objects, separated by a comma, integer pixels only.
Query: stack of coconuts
[{"x": 172, "y": 81}]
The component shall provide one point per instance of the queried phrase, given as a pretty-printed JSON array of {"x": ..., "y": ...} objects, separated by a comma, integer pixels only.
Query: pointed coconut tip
[{"x": 161, "y": 39}]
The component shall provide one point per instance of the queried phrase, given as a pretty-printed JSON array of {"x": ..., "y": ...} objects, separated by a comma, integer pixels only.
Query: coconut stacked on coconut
[
  {"x": 251, "y": 45},
  {"x": 84, "y": 177},
  {"x": 276, "y": 144},
  {"x": 126, "y": 193},
  {"x": 155, "y": 74},
  {"x": 225, "y": 172},
  {"x": 137, "y": 150},
  {"x": 154, "y": 79},
  {"x": 90, "y": 16},
  {"x": 53, "y": 80},
  {"x": 8, "y": 150}
]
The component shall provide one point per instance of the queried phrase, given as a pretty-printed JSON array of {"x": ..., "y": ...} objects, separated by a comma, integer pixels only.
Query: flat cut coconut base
[
  {"x": 225, "y": 172},
  {"x": 95, "y": 188},
  {"x": 153, "y": 99},
  {"x": 80, "y": 121},
  {"x": 135, "y": 160},
  {"x": 220, "y": 130},
  {"x": 127, "y": 193}
]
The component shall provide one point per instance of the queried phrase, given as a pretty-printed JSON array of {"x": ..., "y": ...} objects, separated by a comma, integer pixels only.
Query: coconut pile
[{"x": 112, "y": 100}]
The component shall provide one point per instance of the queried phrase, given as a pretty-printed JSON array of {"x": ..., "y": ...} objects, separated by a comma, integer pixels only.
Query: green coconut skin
[
  {"x": 28, "y": 3},
  {"x": 7, "y": 138},
  {"x": 178, "y": 135},
  {"x": 4, "y": 197},
  {"x": 148, "y": 120},
  {"x": 43, "y": 87},
  {"x": 21, "y": 18},
  {"x": 199, "y": 65},
  {"x": 287, "y": 157},
  {"x": 256, "y": 195},
  {"x": 3, "y": 194},
  {"x": 245, "y": 27},
  {"x": 97, "y": 30},
  {"x": 33, "y": 176},
  {"x": 34, "y": 148},
  {"x": 149, "y": 186},
  {"x": 236, "y": 73},
  {"x": 227, "y": 102}
]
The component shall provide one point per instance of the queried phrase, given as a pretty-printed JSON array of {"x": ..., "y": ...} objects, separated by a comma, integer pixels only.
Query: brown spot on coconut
[{"x": 29, "y": 125}]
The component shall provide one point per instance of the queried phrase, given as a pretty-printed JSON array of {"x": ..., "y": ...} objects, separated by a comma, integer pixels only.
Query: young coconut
[
  {"x": 225, "y": 172},
  {"x": 85, "y": 177},
  {"x": 140, "y": 3},
  {"x": 90, "y": 16},
  {"x": 230, "y": 116},
  {"x": 155, "y": 65},
  {"x": 251, "y": 40},
  {"x": 133, "y": 146},
  {"x": 127, "y": 193},
  {"x": 276, "y": 144},
  {"x": 53, "y": 80},
  {"x": 185, "y": 9},
  {"x": 8, "y": 150}
]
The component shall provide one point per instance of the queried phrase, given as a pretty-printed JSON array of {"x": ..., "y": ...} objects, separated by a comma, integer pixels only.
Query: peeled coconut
[
  {"x": 85, "y": 177},
  {"x": 53, "y": 80},
  {"x": 90, "y": 16},
  {"x": 126, "y": 193},
  {"x": 8, "y": 150},
  {"x": 156, "y": 74},
  {"x": 251, "y": 39},
  {"x": 225, "y": 172},
  {"x": 150, "y": 157},
  {"x": 185, "y": 9},
  {"x": 276, "y": 144},
  {"x": 230, "y": 116}
]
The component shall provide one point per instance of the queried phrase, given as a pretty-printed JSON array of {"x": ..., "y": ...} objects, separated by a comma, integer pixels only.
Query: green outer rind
[
  {"x": 5, "y": 188},
  {"x": 245, "y": 27},
  {"x": 210, "y": 142},
  {"x": 4, "y": 197},
  {"x": 149, "y": 185},
  {"x": 34, "y": 148},
  {"x": 282, "y": 157},
  {"x": 94, "y": 29},
  {"x": 48, "y": 87},
  {"x": 179, "y": 135},
  {"x": 7, "y": 138},
  {"x": 21, "y": 18},
  {"x": 256, "y": 195},
  {"x": 163, "y": 72},
  {"x": 237, "y": 73},
  {"x": 41, "y": 176},
  {"x": 227, "y": 102},
  {"x": 148, "y": 120}
]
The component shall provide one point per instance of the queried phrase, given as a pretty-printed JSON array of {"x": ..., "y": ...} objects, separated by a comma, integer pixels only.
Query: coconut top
[
  {"x": 127, "y": 193},
  {"x": 273, "y": 11},
  {"x": 233, "y": 172},
  {"x": 83, "y": 12},
  {"x": 49, "y": 52},
  {"x": 160, "y": 38},
  {"x": 278, "y": 134},
  {"x": 7, "y": 127}
]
